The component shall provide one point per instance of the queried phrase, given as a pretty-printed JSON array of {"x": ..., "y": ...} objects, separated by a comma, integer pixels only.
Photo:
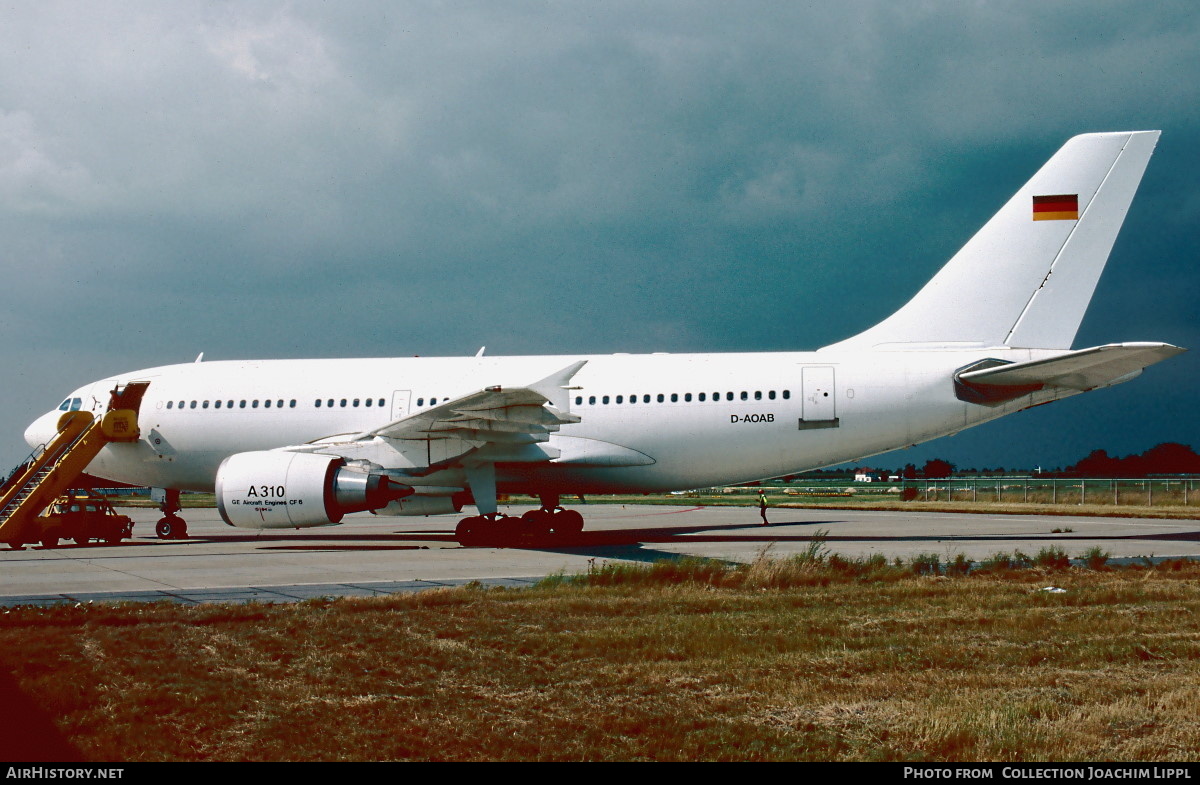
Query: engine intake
[{"x": 291, "y": 490}]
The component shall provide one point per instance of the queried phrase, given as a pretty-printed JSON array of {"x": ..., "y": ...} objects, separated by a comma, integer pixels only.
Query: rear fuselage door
[{"x": 819, "y": 398}]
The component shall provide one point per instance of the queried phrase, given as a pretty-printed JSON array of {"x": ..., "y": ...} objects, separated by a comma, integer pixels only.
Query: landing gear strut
[
  {"x": 548, "y": 523},
  {"x": 171, "y": 526}
]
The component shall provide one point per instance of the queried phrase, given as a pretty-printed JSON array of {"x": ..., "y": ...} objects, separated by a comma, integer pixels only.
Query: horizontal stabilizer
[{"x": 1085, "y": 369}]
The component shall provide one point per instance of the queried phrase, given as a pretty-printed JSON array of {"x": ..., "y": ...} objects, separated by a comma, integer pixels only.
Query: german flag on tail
[{"x": 1063, "y": 207}]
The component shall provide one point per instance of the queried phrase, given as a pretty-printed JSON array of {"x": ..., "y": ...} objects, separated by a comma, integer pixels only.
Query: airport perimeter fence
[
  {"x": 1152, "y": 492},
  {"x": 1114, "y": 492}
]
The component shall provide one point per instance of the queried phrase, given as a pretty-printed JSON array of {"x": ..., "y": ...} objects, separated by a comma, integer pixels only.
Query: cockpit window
[
  {"x": 70, "y": 405},
  {"x": 65, "y": 405}
]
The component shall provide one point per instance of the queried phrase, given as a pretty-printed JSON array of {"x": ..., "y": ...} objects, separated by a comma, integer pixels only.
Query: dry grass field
[{"x": 808, "y": 658}]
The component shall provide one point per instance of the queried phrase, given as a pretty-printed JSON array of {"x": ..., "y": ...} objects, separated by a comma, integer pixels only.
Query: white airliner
[{"x": 298, "y": 443}]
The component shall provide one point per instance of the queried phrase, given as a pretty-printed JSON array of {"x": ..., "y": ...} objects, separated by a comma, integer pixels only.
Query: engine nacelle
[{"x": 290, "y": 490}]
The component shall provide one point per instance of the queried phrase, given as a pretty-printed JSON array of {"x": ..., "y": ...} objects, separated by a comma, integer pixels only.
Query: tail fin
[{"x": 1026, "y": 278}]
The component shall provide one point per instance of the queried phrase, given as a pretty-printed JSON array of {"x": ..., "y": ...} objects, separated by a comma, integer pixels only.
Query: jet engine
[{"x": 292, "y": 490}]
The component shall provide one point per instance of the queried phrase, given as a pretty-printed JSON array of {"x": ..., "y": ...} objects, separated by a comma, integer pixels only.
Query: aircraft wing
[
  {"x": 1084, "y": 369},
  {"x": 493, "y": 414},
  {"x": 495, "y": 424}
]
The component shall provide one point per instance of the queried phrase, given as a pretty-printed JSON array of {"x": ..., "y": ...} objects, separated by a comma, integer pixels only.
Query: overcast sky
[{"x": 296, "y": 179}]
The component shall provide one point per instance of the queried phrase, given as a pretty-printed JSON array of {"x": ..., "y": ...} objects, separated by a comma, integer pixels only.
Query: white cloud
[
  {"x": 32, "y": 181},
  {"x": 280, "y": 51}
]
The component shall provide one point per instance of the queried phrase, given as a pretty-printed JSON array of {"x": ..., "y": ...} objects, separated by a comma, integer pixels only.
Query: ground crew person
[{"x": 762, "y": 507}]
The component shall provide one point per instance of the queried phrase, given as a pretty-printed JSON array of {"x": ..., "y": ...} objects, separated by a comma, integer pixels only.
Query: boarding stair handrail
[
  {"x": 19, "y": 470},
  {"x": 60, "y": 463}
]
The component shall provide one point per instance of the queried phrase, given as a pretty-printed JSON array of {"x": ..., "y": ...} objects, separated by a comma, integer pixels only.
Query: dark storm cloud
[{"x": 304, "y": 179}]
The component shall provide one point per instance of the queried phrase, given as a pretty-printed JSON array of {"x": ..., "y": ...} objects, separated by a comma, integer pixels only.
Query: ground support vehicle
[{"x": 81, "y": 517}]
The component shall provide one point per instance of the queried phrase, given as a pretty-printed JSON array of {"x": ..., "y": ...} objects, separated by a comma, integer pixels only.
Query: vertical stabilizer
[{"x": 1026, "y": 278}]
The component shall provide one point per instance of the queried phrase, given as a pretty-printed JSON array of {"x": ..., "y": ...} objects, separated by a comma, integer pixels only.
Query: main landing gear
[
  {"x": 491, "y": 527},
  {"x": 171, "y": 526},
  {"x": 549, "y": 523}
]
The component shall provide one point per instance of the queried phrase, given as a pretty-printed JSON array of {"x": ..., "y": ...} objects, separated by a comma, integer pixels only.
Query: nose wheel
[{"x": 171, "y": 527}]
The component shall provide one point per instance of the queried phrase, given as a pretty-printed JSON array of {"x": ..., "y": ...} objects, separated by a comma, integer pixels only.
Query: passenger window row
[
  {"x": 330, "y": 403},
  {"x": 279, "y": 403},
  {"x": 242, "y": 404},
  {"x": 744, "y": 395},
  {"x": 592, "y": 400}
]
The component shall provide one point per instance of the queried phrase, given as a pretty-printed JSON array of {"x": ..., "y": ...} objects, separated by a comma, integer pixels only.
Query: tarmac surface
[{"x": 368, "y": 555}]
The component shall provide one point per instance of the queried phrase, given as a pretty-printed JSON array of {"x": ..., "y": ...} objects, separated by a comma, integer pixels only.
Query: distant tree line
[
  {"x": 1166, "y": 458},
  {"x": 1163, "y": 459}
]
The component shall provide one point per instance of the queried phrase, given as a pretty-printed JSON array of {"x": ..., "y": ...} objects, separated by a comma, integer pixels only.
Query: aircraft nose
[{"x": 43, "y": 429}]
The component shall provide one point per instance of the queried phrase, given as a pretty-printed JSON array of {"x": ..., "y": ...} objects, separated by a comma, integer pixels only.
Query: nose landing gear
[{"x": 171, "y": 526}]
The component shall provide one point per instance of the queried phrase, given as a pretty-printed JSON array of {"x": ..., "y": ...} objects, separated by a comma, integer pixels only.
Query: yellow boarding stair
[{"x": 44, "y": 478}]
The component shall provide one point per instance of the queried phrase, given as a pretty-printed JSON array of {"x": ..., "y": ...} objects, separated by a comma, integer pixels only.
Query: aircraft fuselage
[{"x": 699, "y": 419}]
